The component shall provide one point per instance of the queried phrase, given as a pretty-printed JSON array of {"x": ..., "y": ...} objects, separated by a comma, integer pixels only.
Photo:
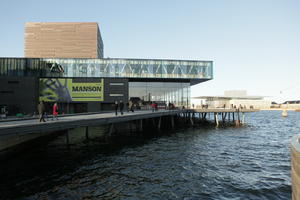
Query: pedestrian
[
  {"x": 55, "y": 112},
  {"x": 121, "y": 107},
  {"x": 41, "y": 110},
  {"x": 132, "y": 107},
  {"x": 153, "y": 107},
  {"x": 116, "y": 107},
  {"x": 46, "y": 116},
  {"x": 127, "y": 106}
]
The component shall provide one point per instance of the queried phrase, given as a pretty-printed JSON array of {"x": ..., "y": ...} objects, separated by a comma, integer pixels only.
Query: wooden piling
[
  {"x": 243, "y": 118},
  {"x": 87, "y": 132},
  {"x": 172, "y": 121},
  {"x": 238, "y": 116},
  {"x": 111, "y": 129},
  {"x": 216, "y": 119},
  {"x": 67, "y": 137},
  {"x": 191, "y": 120},
  {"x": 141, "y": 124},
  {"x": 159, "y": 123}
]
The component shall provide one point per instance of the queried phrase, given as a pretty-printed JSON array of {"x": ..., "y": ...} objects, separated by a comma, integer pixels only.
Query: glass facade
[
  {"x": 33, "y": 67},
  {"x": 167, "y": 92},
  {"x": 126, "y": 68}
]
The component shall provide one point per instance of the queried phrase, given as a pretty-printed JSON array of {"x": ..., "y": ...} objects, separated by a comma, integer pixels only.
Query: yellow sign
[{"x": 69, "y": 90}]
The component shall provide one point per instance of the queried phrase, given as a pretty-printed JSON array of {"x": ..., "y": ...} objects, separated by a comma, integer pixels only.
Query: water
[{"x": 251, "y": 162}]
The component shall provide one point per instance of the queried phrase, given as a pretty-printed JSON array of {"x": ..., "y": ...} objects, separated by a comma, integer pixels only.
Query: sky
[{"x": 254, "y": 44}]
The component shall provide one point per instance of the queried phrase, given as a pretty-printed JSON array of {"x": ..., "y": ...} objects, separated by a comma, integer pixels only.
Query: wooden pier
[
  {"x": 15, "y": 132},
  {"x": 237, "y": 116}
]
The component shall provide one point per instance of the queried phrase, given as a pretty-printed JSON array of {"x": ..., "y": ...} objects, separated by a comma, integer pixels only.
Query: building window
[
  {"x": 7, "y": 92},
  {"x": 13, "y": 82},
  {"x": 119, "y": 84},
  {"x": 116, "y": 95}
]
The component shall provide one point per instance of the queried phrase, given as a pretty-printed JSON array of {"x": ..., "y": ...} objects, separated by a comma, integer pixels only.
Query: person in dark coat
[
  {"x": 116, "y": 107},
  {"x": 121, "y": 107},
  {"x": 127, "y": 106},
  {"x": 132, "y": 107},
  {"x": 41, "y": 110}
]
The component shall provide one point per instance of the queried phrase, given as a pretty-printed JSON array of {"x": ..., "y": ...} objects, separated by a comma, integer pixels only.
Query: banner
[{"x": 69, "y": 90}]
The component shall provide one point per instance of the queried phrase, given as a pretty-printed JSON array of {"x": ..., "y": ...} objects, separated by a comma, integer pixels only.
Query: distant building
[
  {"x": 234, "y": 98},
  {"x": 293, "y": 104}
]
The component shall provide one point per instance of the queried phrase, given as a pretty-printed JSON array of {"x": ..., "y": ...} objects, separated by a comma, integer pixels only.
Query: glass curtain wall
[
  {"x": 166, "y": 92},
  {"x": 134, "y": 68},
  {"x": 127, "y": 68}
]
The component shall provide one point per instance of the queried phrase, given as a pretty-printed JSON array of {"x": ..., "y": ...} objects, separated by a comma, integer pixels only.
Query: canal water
[{"x": 250, "y": 162}]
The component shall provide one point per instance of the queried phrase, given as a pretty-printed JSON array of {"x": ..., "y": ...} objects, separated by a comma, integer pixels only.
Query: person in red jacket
[
  {"x": 55, "y": 111},
  {"x": 153, "y": 106}
]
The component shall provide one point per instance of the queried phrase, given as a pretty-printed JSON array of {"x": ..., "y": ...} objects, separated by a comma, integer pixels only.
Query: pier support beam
[
  {"x": 67, "y": 136},
  {"x": 243, "y": 118},
  {"x": 172, "y": 121},
  {"x": 191, "y": 119},
  {"x": 153, "y": 122},
  {"x": 159, "y": 123},
  {"x": 239, "y": 119},
  {"x": 216, "y": 119},
  {"x": 111, "y": 130},
  {"x": 141, "y": 125},
  {"x": 87, "y": 132},
  {"x": 224, "y": 117},
  {"x": 194, "y": 118}
]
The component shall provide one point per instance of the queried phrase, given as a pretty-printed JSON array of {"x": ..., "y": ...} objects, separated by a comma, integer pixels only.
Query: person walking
[
  {"x": 121, "y": 107},
  {"x": 132, "y": 107},
  {"x": 127, "y": 106},
  {"x": 153, "y": 106},
  {"x": 116, "y": 107},
  {"x": 55, "y": 112},
  {"x": 41, "y": 110}
]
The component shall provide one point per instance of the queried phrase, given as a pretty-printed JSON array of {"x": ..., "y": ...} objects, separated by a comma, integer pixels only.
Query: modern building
[
  {"x": 90, "y": 84},
  {"x": 233, "y": 98}
]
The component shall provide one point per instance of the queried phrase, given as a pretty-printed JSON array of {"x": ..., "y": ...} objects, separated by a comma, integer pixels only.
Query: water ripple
[{"x": 251, "y": 162}]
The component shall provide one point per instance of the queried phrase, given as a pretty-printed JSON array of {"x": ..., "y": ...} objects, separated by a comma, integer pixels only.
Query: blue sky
[{"x": 255, "y": 44}]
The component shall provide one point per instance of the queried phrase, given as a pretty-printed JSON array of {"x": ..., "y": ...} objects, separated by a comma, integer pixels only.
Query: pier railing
[{"x": 295, "y": 167}]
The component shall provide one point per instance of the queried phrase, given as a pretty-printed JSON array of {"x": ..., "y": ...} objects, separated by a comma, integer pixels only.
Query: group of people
[
  {"x": 120, "y": 106},
  {"x": 171, "y": 106},
  {"x": 42, "y": 111}
]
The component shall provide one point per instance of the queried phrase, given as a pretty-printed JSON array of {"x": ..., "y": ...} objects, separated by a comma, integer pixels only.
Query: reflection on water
[{"x": 251, "y": 162}]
